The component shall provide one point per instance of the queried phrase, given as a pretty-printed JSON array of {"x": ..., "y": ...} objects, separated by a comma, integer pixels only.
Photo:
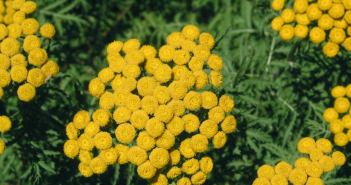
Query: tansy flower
[
  {"x": 178, "y": 107},
  {"x": 177, "y": 71},
  {"x": 114, "y": 56},
  {"x": 47, "y": 30},
  {"x": 191, "y": 166},
  {"x": 229, "y": 124},
  {"x": 305, "y": 145},
  {"x": 176, "y": 126},
  {"x": 301, "y": 31},
  {"x": 279, "y": 180},
  {"x": 132, "y": 102},
  {"x": 336, "y": 10},
  {"x": 341, "y": 105},
  {"x": 118, "y": 82},
  {"x": 97, "y": 165},
  {"x": 330, "y": 115},
  {"x": 10, "y": 47},
  {"x": 166, "y": 140},
  {"x": 130, "y": 84},
  {"x": 85, "y": 142},
  {"x": 101, "y": 117},
  {"x": 30, "y": 26},
  {"x": 196, "y": 64},
  {"x": 154, "y": 127},
  {"x": 199, "y": 178},
  {"x": 347, "y": 4},
  {"x": 202, "y": 52},
  {"x": 117, "y": 64},
  {"x": 216, "y": 79},
  {"x": 317, "y": 35},
  {"x": 177, "y": 90},
  {"x": 325, "y": 4},
  {"x": 120, "y": 96},
  {"x": 288, "y": 15},
  {"x": 298, "y": 176},
  {"x": 81, "y": 119},
  {"x": 174, "y": 172},
  {"x": 106, "y": 101},
  {"x": 50, "y": 68},
  {"x": 340, "y": 23},
  {"x": 188, "y": 45},
  {"x": 26, "y": 92},
  {"x": 338, "y": 91},
  {"x": 266, "y": 171},
  {"x": 85, "y": 157},
  {"x": 219, "y": 140},
  {"x": 302, "y": 19},
  {"x": 191, "y": 123},
  {"x": 96, "y": 88},
  {"x": 131, "y": 44},
  {"x": 316, "y": 154},
  {"x": 106, "y": 75},
  {"x": 71, "y": 148},
  {"x": 192, "y": 100},
  {"x": 201, "y": 80},
  {"x": 164, "y": 113},
  {"x": 206, "y": 164},
  {"x": 85, "y": 170},
  {"x": 131, "y": 70},
  {"x": 278, "y": 4},
  {"x": 313, "y": 12},
  {"x": 148, "y": 51},
  {"x": 337, "y": 35},
  {"x": 125, "y": 133},
  {"x": 137, "y": 155},
  {"x": 191, "y": 32},
  {"x": 122, "y": 151},
  {"x": 103, "y": 140},
  {"x": 339, "y": 158},
  {"x": 159, "y": 179},
  {"x": 199, "y": 143},
  {"x": 18, "y": 59},
  {"x": 208, "y": 128},
  {"x": 71, "y": 131},
  {"x": 347, "y": 44},
  {"x": 8, "y": 17},
  {"x": 19, "y": 73},
  {"x": 261, "y": 181},
  {"x": 109, "y": 156},
  {"x": 37, "y": 56},
  {"x": 161, "y": 94},
  {"x": 3, "y": 31},
  {"x": 185, "y": 148},
  {"x": 166, "y": 53},
  {"x": 188, "y": 78},
  {"x": 206, "y": 39},
  {"x": 152, "y": 64},
  {"x": 174, "y": 157},
  {"x": 145, "y": 141},
  {"x": 15, "y": 30},
  {"x": 287, "y": 32},
  {"x": 181, "y": 57},
  {"x": 325, "y": 145},
  {"x": 336, "y": 126},
  {"x": 283, "y": 168},
  {"x": 300, "y": 6},
  {"x": 146, "y": 86},
  {"x": 326, "y": 22},
  {"x": 314, "y": 169},
  {"x": 341, "y": 139},
  {"x": 135, "y": 57},
  {"x": 146, "y": 170},
  {"x": 16, "y": 4},
  {"x": 302, "y": 163},
  {"x": 159, "y": 157},
  {"x": 175, "y": 39},
  {"x": 4, "y": 62},
  {"x": 314, "y": 181},
  {"x": 139, "y": 119},
  {"x": 115, "y": 46},
  {"x": 226, "y": 103},
  {"x": 277, "y": 23},
  {"x": 215, "y": 62},
  {"x": 28, "y": 7},
  {"x": 327, "y": 163},
  {"x": 163, "y": 73},
  {"x": 91, "y": 129},
  {"x": 5, "y": 124},
  {"x": 216, "y": 114}
]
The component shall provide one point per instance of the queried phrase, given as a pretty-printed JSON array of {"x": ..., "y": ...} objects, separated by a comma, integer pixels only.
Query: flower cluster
[
  {"x": 5, "y": 125},
  {"x": 342, "y": 107},
  {"x": 325, "y": 18},
  {"x": 153, "y": 101},
  {"x": 13, "y": 64},
  {"x": 306, "y": 170}
]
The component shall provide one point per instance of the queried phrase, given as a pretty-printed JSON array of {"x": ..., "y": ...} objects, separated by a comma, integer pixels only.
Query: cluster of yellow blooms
[
  {"x": 331, "y": 115},
  {"x": 21, "y": 27},
  {"x": 5, "y": 125},
  {"x": 152, "y": 107},
  {"x": 331, "y": 17},
  {"x": 307, "y": 170}
]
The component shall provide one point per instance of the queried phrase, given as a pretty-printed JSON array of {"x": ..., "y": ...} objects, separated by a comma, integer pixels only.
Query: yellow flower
[
  {"x": 301, "y": 31},
  {"x": 302, "y": 163},
  {"x": 175, "y": 39},
  {"x": 219, "y": 140},
  {"x": 103, "y": 140},
  {"x": 10, "y": 47},
  {"x": 209, "y": 128},
  {"x": 50, "y": 68},
  {"x": 96, "y": 88},
  {"x": 337, "y": 35},
  {"x": 85, "y": 142},
  {"x": 122, "y": 151},
  {"x": 202, "y": 52},
  {"x": 130, "y": 84},
  {"x": 191, "y": 123},
  {"x": 201, "y": 80},
  {"x": 130, "y": 45},
  {"x": 184, "y": 181},
  {"x": 148, "y": 51},
  {"x": 216, "y": 114},
  {"x": 185, "y": 148},
  {"x": 115, "y": 56},
  {"x": 178, "y": 107},
  {"x": 226, "y": 103},
  {"x": 109, "y": 156},
  {"x": 177, "y": 71},
  {"x": 106, "y": 75},
  {"x": 85, "y": 170},
  {"x": 152, "y": 64},
  {"x": 102, "y": 117},
  {"x": 164, "y": 113},
  {"x": 28, "y": 7},
  {"x": 191, "y": 32},
  {"x": 163, "y": 73},
  {"x": 325, "y": 22},
  {"x": 314, "y": 169},
  {"x": 2, "y": 146},
  {"x": 340, "y": 23},
  {"x": 146, "y": 86},
  {"x": 317, "y": 35},
  {"x": 174, "y": 157},
  {"x": 166, "y": 140},
  {"x": 301, "y": 19},
  {"x": 206, "y": 164},
  {"x": 139, "y": 119},
  {"x": 347, "y": 44},
  {"x": 16, "y": 4},
  {"x": 174, "y": 172},
  {"x": 215, "y": 62},
  {"x": 286, "y": 32},
  {"x": 336, "y": 11},
  {"x": 229, "y": 124},
  {"x": 298, "y": 176},
  {"x": 19, "y": 73},
  {"x": 106, "y": 101},
  {"x": 347, "y": 4},
  {"x": 118, "y": 82},
  {"x": 188, "y": 45},
  {"x": 339, "y": 158},
  {"x": 325, "y": 145},
  {"x": 97, "y": 165},
  {"x": 177, "y": 90},
  {"x": 71, "y": 148},
  {"x": 300, "y": 6},
  {"x": 132, "y": 102},
  {"x": 336, "y": 126},
  {"x": 341, "y": 105},
  {"x": 314, "y": 181},
  {"x": 37, "y": 56},
  {"x": 30, "y": 26},
  {"x": 166, "y": 53},
  {"x": 91, "y": 129},
  {"x": 327, "y": 163},
  {"x": 196, "y": 64},
  {"x": 135, "y": 57},
  {"x": 288, "y": 15},
  {"x": 85, "y": 157},
  {"x": 81, "y": 119},
  {"x": 137, "y": 155},
  {"x": 316, "y": 154},
  {"x": 47, "y": 30},
  {"x": 159, "y": 157},
  {"x": 192, "y": 100},
  {"x": 338, "y": 91},
  {"x": 325, "y": 4},
  {"x": 330, "y": 115},
  {"x": 176, "y": 126},
  {"x": 199, "y": 143},
  {"x": 206, "y": 39},
  {"x": 8, "y": 18},
  {"x": 19, "y": 59},
  {"x": 3, "y": 31},
  {"x": 277, "y": 23},
  {"x": 313, "y": 12},
  {"x": 278, "y": 4},
  {"x": 305, "y": 145},
  {"x": 159, "y": 179},
  {"x": 216, "y": 79},
  {"x": 154, "y": 127},
  {"x": 161, "y": 94},
  {"x": 120, "y": 96},
  {"x": 279, "y": 180},
  {"x": 15, "y": 30},
  {"x": 5, "y": 124},
  {"x": 266, "y": 171},
  {"x": 146, "y": 170},
  {"x": 341, "y": 139},
  {"x": 71, "y": 131},
  {"x": 26, "y": 92},
  {"x": 115, "y": 46},
  {"x": 181, "y": 57},
  {"x": 145, "y": 141},
  {"x": 117, "y": 64},
  {"x": 199, "y": 178},
  {"x": 131, "y": 70},
  {"x": 191, "y": 166},
  {"x": 283, "y": 168},
  {"x": 125, "y": 133}
]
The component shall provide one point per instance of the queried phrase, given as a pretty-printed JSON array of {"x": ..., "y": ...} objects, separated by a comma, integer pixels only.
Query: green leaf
[{"x": 46, "y": 167}]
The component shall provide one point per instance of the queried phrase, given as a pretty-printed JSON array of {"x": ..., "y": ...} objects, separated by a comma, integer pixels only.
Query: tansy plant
[
  {"x": 157, "y": 109},
  {"x": 324, "y": 22}
]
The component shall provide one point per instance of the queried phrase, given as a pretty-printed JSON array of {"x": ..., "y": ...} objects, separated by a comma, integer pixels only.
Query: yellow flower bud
[
  {"x": 201, "y": 80},
  {"x": 91, "y": 129},
  {"x": 28, "y": 7},
  {"x": 85, "y": 157},
  {"x": 30, "y": 26},
  {"x": 283, "y": 168},
  {"x": 109, "y": 156},
  {"x": 287, "y": 32},
  {"x": 166, "y": 53},
  {"x": 191, "y": 166},
  {"x": 163, "y": 73},
  {"x": 181, "y": 57},
  {"x": 37, "y": 56},
  {"x": 152, "y": 64},
  {"x": 81, "y": 119},
  {"x": 85, "y": 142},
  {"x": 139, "y": 119},
  {"x": 174, "y": 172},
  {"x": 97, "y": 165},
  {"x": 199, "y": 178},
  {"x": 178, "y": 107},
  {"x": 314, "y": 169},
  {"x": 166, "y": 140},
  {"x": 131, "y": 44},
  {"x": 341, "y": 139},
  {"x": 191, "y": 32},
  {"x": 19, "y": 73},
  {"x": 146, "y": 170},
  {"x": 186, "y": 149},
  {"x": 175, "y": 39},
  {"x": 106, "y": 101},
  {"x": 10, "y": 47},
  {"x": 15, "y": 30},
  {"x": 145, "y": 141},
  {"x": 206, "y": 39},
  {"x": 47, "y": 30},
  {"x": 5, "y": 124},
  {"x": 202, "y": 52},
  {"x": 26, "y": 92},
  {"x": 339, "y": 158},
  {"x": 115, "y": 46},
  {"x": 199, "y": 143},
  {"x": 71, "y": 131},
  {"x": 278, "y": 4},
  {"x": 298, "y": 176},
  {"x": 302, "y": 163},
  {"x": 50, "y": 68},
  {"x": 137, "y": 155},
  {"x": 96, "y": 88},
  {"x": 154, "y": 127},
  {"x": 122, "y": 151},
  {"x": 219, "y": 140},
  {"x": 71, "y": 148},
  {"x": 85, "y": 170},
  {"x": 174, "y": 157},
  {"x": 209, "y": 128},
  {"x": 188, "y": 45},
  {"x": 266, "y": 171},
  {"x": 125, "y": 133}
]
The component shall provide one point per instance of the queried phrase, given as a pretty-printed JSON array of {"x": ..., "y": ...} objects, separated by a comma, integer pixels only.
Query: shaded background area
[{"x": 280, "y": 88}]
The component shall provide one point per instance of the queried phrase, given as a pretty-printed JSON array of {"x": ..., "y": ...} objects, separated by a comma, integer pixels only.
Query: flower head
[
  {"x": 131, "y": 70},
  {"x": 145, "y": 141},
  {"x": 341, "y": 105},
  {"x": 115, "y": 46},
  {"x": 302, "y": 163},
  {"x": 139, "y": 119},
  {"x": 5, "y": 124},
  {"x": 137, "y": 155},
  {"x": 130, "y": 45},
  {"x": 278, "y": 4},
  {"x": 314, "y": 169},
  {"x": 19, "y": 59},
  {"x": 15, "y": 30},
  {"x": 10, "y": 47},
  {"x": 30, "y": 26},
  {"x": 177, "y": 90},
  {"x": 317, "y": 35},
  {"x": 298, "y": 176},
  {"x": 96, "y": 88},
  {"x": 146, "y": 170},
  {"x": 178, "y": 107},
  {"x": 206, "y": 39},
  {"x": 166, "y": 140},
  {"x": 19, "y": 73},
  {"x": 181, "y": 57},
  {"x": 174, "y": 157},
  {"x": 28, "y": 7},
  {"x": 159, "y": 179},
  {"x": 188, "y": 45},
  {"x": 71, "y": 131},
  {"x": 81, "y": 119},
  {"x": 85, "y": 170},
  {"x": 152, "y": 64},
  {"x": 191, "y": 32},
  {"x": 119, "y": 96},
  {"x": 102, "y": 117},
  {"x": 209, "y": 128},
  {"x": 91, "y": 129},
  {"x": 161, "y": 94},
  {"x": 166, "y": 53},
  {"x": 327, "y": 163},
  {"x": 85, "y": 157},
  {"x": 196, "y": 64},
  {"x": 175, "y": 39},
  {"x": 192, "y": 100},
  {"x": 339, "y": 158},
  {"x": 316, "y": 154},
  {"x": 50, "y": 68},
  {"x": 135, "y": 57},
  {"x": 188, "y": 78},
  {"x": 202, "y": 52},
  {"x": 146, "y": 86},
  {"x": 70, "y": 148},
  {"x": 132, "y": 102},
  {"x": 109, "y": 156},
  {"x": 219, "y": 140},
  {"x": 122, "y": 151},
  {"x": 163, "y": 73},
  {"x": 266, "y": 171},
  {"x": 154, "y": 127},
  {"x": 159, "y": 157},
  {"x": 283, "y": 168},
  {"x": 199, "y": 143},
  {"x": 325, "y": 22},
  {"x": 216, "y": 79},
  {"x": 125, "y": 133},
  {"x": 185, "y": 148},
  {"x": 97, "y": 165},
  {"x": 47, "y": 30},
  {"x": 106, "y": 101},
  {"x": 37, "y": 56},
  {"x": 3, "y": 31},
  {"x": 176, "y": 126},
  {"x": 305, "y": 145},
  {"x": 26, "y": 92},
  {"x": 174, "y": 172},
  {"x": 201, "y": 80},
  {"x": 164, "y": 113},
  {"x": 341, "y": 139},
  {"x": 199, "y": 178},
  {"x": 85, "y": 142}
]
